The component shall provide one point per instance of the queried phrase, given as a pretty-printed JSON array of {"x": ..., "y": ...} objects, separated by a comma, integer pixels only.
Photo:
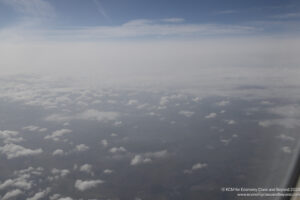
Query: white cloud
[
  {"x": 104, "y": 143},
  {"x": 139, "y": 159},
  {"x": 230, "y": 122},
  {"x": 90, "y": 114},
  {"x": 15, "y": 151},
  {"x": 211, "y": 115},
  {"x": 195, "y": 167},
  {"x": 199, "y": 166},
  {"x": 286, "y": 137},
  {"x": 148, "y": 157},
  {"x": 173, "y": 20},
  {"x": 285, "y": 122},
  {"x": 187, "y": 113},
  {"x": 108, "y": 171},
  {"x": 39, "y": 195},
  {"x": 81, "y": 148},
  {"x": 30, "y": 128},
  {"x": 32, "y": 8},
  {"x": 291, "y": 15},
  {"x": 10, "y": 136},
  {"x": 58, "y": 197},
  {"x": 117, "y": 150},
  {"x": 286, "y": 149},
  {"x": 87, "y": 168},
  {"x": 58, "y": 152},
  {"x": 12, "y": 194},
  {"x": 85, "y": 185},
  {"x": 223, "y": 103},
  {"x": 55, "y": 136},
  {"x": 60, "y": 172}
]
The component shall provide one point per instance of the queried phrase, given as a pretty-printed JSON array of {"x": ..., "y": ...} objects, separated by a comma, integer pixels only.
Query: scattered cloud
[
  {"x": 88, "y": 184},
  {"x": 148, "y": 157},
  {"x": 34, "y": 128},
  {"x": 211, "y": 115},
  {"x": 39, "y": 195},
  {"x": 87, "y": 168},
  {"x": 230, "y": 122},
  {"x": 12, "y": 194},
  {"x": 117, "y": 150},
  {"x": 10, "y": 137},
  {"x": 104, "y": 143},
  {"x": 56, "y": 135},
  {"x": 173, "y": 20},
  {"x": 108, "y": 171},
  {"x": 90, "y": 114},
  {"x": 81, "y": 148},
  {"x": 286, "y": 149},
  {"x": 195, "y": 167},
  {"x": 59, "y": 173},
  {"x": 223, "y": 103},
  {"x": 186, "y": 113},
  {"x": 15, "y": 151},
  {"x": 58, "y": 152}
]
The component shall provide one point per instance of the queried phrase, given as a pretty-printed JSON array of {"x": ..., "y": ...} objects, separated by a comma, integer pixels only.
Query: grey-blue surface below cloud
[{"x": 59, "y": 141}]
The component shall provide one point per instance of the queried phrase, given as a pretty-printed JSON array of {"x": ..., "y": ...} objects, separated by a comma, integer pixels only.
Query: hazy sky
[{"x": 131, "y": 39}]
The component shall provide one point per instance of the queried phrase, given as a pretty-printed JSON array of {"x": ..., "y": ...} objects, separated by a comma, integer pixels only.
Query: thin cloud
[
  {"x": 12, "y": 194},
  {"x": 15, "y": 151},
  {"x": 101, "y": 9},
  {"x": 86, "y": 185},
  {"x": 32, "y": 8}
]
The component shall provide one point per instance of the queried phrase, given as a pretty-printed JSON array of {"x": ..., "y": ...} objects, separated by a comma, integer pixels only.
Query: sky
[{"x": 137, "y": 38}]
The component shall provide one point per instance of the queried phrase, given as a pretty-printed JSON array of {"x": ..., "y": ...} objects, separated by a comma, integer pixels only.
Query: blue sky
[
  {"x": 138, "y": 38},
  {"x": 189, "y": 18}
]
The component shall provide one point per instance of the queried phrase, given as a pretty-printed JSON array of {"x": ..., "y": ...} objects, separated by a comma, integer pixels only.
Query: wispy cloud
[
  {"x": 225, "y": 12},
  {"x": 101, "y": 9},
  {"x": 293, "y": 15},
  {"x": 31, "y": 8}
]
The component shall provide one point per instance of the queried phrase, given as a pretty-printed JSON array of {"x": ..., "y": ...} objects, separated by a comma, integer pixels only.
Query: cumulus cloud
[
  {"x": 58, "y": 152},
  {"x": 90, "y": 114},
  {"x": 139, "y": 159},
  {"x": 286, "y": 137},
  {"x": 230, "y": 122},
  {"x": 148, "y": 157},
  {"x": 117, "y": 150},
  {"x": 34, "y": 128},
  {"x": 186, "y": 113},
  {"x": 104, "y": 143},
  {"x": 211, "y": 115},
  {"x": 59, "y": 197},
  {"x": 12, "y": 194},
  {"x": 10, "y": 136},
  {"x": 39, "y": 195},
  {"x": 285, "y": 122},
  {"x": 87, "y": 168},
  {"x": 81, "y": 148},
  {"x": 286, "y": 149},
  {"x": 56, "y": 135},
  {"x": 223, "y": 103},
  {"x": 195, "y": 167},
  {"x": 58, "y": 173},
  {"x": 108, "y": 171},
  {"x": 88, "y": 184},
  {"x": 15, "y": 151}
]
